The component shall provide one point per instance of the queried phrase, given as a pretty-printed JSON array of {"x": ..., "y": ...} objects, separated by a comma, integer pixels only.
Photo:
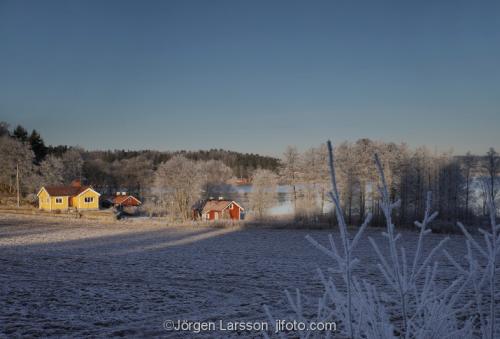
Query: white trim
[
  {"x": 90, "y": 188},
  {"x": 130, "y": 196},
  {"x": 42, "y": 189},
  {"x": 234, "y": 202},
  {"x": 229, "y": 202}
]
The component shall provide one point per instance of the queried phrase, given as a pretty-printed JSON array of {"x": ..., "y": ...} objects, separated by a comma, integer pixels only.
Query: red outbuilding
[
  {"x": 124, "y": 200},
  {"x": 222, "y": 209}
]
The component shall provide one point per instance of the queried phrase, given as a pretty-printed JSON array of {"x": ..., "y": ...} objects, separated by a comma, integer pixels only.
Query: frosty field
[{"x": 61, "y": 278}]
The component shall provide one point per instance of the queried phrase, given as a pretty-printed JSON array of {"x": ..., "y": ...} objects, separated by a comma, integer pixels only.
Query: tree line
[
  {"x": 107, "y": 171},
  {"x": 172, "y": 182},
  {"x": 456, "y": 181}
]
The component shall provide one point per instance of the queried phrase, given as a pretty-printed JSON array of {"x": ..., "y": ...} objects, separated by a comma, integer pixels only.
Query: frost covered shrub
[
  {"x": 482, "y": 269},
  {"x": 416, "y": 306}
]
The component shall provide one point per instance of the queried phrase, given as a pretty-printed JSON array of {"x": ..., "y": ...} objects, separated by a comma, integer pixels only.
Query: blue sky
[{"x": 252, "y": 76}]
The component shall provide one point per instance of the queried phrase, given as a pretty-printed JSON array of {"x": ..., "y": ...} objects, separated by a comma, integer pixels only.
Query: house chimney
[
  {"x": 124, "y": 193},
  {"x": 221, "y": 198}
]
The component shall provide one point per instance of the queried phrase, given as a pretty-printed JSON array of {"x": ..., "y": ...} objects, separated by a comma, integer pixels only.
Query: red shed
[
  {"x": 222, "y": 209},
  {"x": 126, "y": 201}
]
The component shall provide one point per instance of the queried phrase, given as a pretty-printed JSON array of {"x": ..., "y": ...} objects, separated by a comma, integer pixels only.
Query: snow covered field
[{"x": 126, "y": 279}]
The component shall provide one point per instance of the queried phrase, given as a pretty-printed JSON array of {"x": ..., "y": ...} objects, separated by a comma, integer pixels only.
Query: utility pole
[{"x": 17, "y": 183}]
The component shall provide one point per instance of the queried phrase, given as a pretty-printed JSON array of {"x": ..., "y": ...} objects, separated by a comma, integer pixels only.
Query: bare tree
[
  {"x": 214, "y": 175},
  {"x": 314, "y": 177},
  {"x": 52, "y": 170},
  {"x": 289, "y": 171},
  {"x": 263, "y": 194},
  {"x": 468, "y": 165},
  {"x": 347, "y": 177},
  {"x": 135, "y": 173},
  {"x": 177, "y": 184},
  {"x": 491, "y": 168},
  {"x": 17, "y": 163},
  {"x": 73, "y": 162}
]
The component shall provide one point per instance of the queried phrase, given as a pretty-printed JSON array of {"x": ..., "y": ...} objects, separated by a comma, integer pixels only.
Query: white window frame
[
  {"x": 59, "y": 200},
  {"x": 88, "y": 200}
]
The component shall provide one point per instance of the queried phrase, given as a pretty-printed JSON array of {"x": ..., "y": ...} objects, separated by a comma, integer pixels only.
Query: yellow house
[{"x": 52, "y": 198}]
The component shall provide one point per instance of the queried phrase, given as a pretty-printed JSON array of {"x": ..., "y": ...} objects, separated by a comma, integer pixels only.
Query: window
[
  {"x": 89, "y": 199},
  {"x": 59, "y": 200},
  {"x": 231, "y": 206}
]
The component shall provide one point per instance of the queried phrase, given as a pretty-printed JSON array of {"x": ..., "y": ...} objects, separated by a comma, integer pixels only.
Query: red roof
[
  {"x": 120, "y": 199},
  {"x": 65, "y": 191},
  {"x": 218, "y": 205}
]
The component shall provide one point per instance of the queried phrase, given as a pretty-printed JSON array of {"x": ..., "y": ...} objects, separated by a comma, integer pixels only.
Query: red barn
[{"x": 222, "y": 209}]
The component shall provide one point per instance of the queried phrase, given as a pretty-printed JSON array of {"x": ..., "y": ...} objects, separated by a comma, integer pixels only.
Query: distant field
[{"x": 69, "y": 278}]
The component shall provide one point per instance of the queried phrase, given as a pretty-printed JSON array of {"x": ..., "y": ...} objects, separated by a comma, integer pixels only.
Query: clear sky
[{"x": 252, "y": 76}]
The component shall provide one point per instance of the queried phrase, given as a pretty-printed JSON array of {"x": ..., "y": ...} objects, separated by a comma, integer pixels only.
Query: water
[{"x": 284, "y": 204}]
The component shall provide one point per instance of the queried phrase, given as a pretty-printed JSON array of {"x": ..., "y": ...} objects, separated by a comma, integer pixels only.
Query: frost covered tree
[
  {"x": 177, "y": 185},
  {"x": 290, "y": 170},
  {"x": 16, "y": 154},
  {"x": 491, "y": 169},
  {"x": 264, "y": 192},
  {"x": 347, "y": 178},
  {"x": 483, "y": 264},
  {"x": 468, "y": 164},
  {"x": 73, "y": 161},
  {"x": 312, "y": 194},
  {"x": 482, "y": 267},
  {"x": 214, "y": 175},
  {"x": 51, "y": 170},
  {"x": 134, "y": 174},
  {"x": 321, "y": 173}
]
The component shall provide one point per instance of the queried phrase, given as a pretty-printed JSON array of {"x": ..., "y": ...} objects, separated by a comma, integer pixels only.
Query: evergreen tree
[
  {"x": 20, "y": 133},
  {"x": 38, "y": 146}
]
